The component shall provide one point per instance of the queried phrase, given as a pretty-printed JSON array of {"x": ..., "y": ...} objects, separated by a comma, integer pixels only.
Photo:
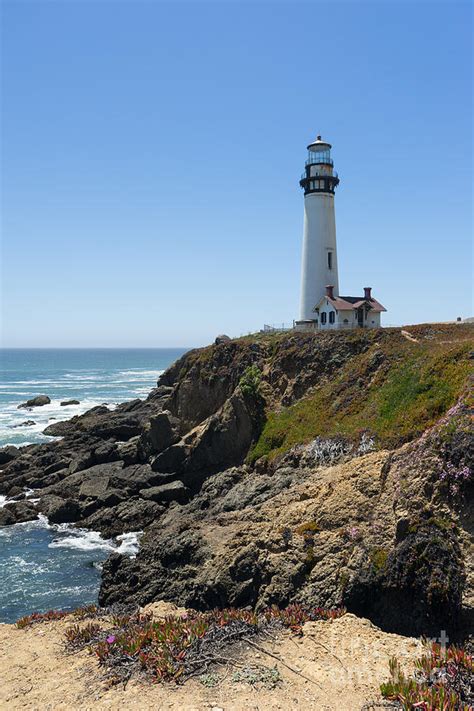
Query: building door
[{"x": 360, "y": 317}]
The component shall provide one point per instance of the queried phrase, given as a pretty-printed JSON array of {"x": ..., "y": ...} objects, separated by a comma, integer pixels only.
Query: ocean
[{"x": 45, "y": 566}]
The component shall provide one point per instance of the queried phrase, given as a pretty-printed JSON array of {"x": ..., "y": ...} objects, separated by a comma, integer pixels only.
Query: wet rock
[
  {"x": 65, "y": 403},
  {"x": 17, "y": 512},
  {"x": 126, "y": 516},
  {"x": 59, "y": 510},
  {"x": 16, "y": 491},
  {"x": 26, "y": 423},
  {"x": 37, "y": 401}
]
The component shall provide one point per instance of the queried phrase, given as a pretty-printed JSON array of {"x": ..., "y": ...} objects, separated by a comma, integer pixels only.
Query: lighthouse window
[
  {"x": 332, "y": 317},
  {"x": 323, "y": 317},
  {"x": 329, "y": 260}
]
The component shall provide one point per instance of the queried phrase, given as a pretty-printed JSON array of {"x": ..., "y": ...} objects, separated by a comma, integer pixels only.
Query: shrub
[{"x": 250, "y": 382}]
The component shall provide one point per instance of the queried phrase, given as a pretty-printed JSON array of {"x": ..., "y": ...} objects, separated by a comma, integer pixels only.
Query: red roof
[{"x": 351, "y": 303}]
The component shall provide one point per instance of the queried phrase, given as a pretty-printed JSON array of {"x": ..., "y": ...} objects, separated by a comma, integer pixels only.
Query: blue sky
[{"x": 152, "y": 153}]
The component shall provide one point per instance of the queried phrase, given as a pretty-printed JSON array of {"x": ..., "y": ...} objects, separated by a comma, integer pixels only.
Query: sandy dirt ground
[{"x": 336, "y": 665}]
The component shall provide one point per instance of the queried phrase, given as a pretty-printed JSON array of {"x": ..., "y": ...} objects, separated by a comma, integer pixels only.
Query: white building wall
[
  {"x": 319, "y": 238},
  {"x": 372, "y": 321}
]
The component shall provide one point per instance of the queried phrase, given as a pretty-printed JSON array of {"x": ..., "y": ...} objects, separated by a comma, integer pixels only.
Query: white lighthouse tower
[{"x": 319, "y": 263}]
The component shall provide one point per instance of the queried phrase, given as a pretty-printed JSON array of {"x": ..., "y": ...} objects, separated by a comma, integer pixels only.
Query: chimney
[
  {"x": 367, "y": 293},
  {"x": 330, "y": 291}
]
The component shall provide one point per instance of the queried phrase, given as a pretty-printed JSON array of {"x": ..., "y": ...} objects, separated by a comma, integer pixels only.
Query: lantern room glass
[{"x": 319, "y": 155}]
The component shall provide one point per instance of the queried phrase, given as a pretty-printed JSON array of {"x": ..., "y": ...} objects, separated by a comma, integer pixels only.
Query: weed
[
  {"x": 269, "y": 678},
  {"x": 209, "y": 680}
]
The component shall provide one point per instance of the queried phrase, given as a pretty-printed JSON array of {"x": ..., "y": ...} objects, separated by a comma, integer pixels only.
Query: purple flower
[{"x": 110, "y": 639}]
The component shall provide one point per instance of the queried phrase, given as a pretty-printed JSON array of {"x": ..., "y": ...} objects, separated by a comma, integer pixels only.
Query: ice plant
[
  {"x": 174, "y": 647},
  {"x": 442, "y": 680}
]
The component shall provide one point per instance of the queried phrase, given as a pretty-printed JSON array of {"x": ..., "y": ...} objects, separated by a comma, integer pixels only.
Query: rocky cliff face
[{"x": 330, "y": 469}]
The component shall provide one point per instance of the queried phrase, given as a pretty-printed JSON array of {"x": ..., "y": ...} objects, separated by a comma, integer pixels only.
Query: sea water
[{"x": 45, "y": 566}]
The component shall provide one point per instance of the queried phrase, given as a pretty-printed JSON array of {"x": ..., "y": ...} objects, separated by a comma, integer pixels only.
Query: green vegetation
[
  {"x": 250, "y": 381},
  {"x": 408, "y": 389},
  {"x": 378, "y": 558},
  {"x": 443, "y": 681},
  {"x": 180, "y": 646},
  {"x": 308, "y": 529}
]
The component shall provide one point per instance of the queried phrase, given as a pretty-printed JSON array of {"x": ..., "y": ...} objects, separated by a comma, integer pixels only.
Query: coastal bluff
[{"x": 330, "y": 469}]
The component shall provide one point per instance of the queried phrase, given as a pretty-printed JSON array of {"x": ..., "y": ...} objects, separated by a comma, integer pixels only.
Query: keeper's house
[{"x": 333, "y": 311}]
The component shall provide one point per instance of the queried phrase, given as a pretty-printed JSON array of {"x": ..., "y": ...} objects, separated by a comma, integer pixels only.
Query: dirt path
[{"x": 337, "y": 665}]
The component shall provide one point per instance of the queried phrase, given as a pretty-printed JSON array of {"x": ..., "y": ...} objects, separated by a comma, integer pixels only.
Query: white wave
[
  {"x": 3, "y": 501},
  {"x": 84, "y": 540},
  {"x": 129, "y": 543},
  {"x": 139, "y": 371}
]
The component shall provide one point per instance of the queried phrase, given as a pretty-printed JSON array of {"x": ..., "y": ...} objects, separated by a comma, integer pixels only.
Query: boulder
[
  {"x": 16, "y": 492},
  {"x": 86, "y": 483},
  {"x": 59, "y": 510},
  {"x": 94, "y": 487},
  {"x": 105, "y": 452},
  {"x": 161, "y": 393},
  {"x": 127, "y": 516},
  {"x": 26, "y": 423},
  {"x": 161, "y": 432},
  {"x": 172, "y": 459},
  {"x": 59, "y": 429},
  {"x": 174, "y": 491},
  {"x": 64, "y": 403},
  {"x": 130, "y": 451},
  {"x": 8, "y": 453},
  {"x": 222, "y": 339},
  {"x": 111, "y": 497},
  {"x": 133, "y": 478},
  {"x": 17, "y": 512},
  {"x": 37, "y": 401}
]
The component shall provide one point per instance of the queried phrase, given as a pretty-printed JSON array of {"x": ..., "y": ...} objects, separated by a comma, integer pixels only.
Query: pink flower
[{"x": 110, "y": 639}]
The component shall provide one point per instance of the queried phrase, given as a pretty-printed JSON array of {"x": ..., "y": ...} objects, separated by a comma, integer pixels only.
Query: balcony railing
[{"x": 318, "y": 175}]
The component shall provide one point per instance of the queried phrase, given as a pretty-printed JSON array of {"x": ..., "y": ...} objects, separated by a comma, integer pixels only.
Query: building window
[
  {"x": 323, "y": 317},
  {"x": 332, "y": 317},
  {"x": 329, "y": 260}
]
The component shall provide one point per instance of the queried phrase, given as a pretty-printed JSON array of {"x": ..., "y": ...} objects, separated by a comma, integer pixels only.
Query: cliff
[{"x": 331, "y": 469}]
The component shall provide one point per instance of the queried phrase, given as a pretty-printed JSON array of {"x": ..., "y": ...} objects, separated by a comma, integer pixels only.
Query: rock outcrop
[
  {"x": 37, "y": 401},
  {"x": 329, "y": 469}
]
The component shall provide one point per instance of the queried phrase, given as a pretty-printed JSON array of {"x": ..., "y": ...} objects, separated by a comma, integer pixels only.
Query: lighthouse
[{"x": 319, "y": 261}]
